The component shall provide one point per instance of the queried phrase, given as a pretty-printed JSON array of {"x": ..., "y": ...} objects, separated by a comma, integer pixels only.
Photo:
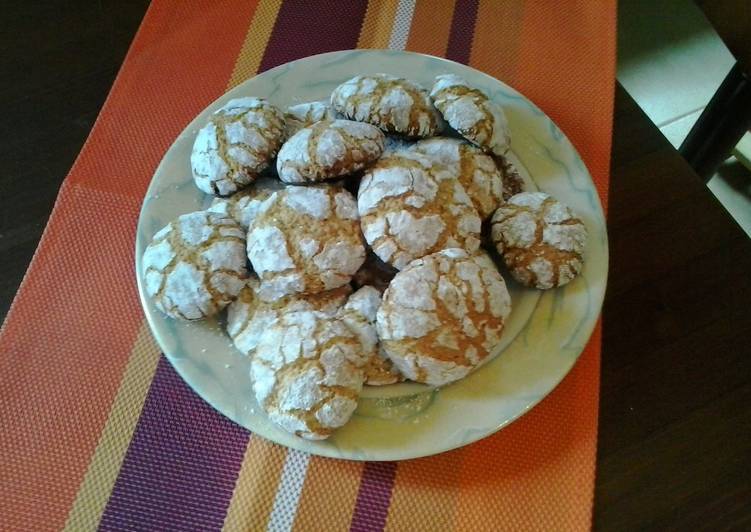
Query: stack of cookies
[{"x": 345, "y": 241}]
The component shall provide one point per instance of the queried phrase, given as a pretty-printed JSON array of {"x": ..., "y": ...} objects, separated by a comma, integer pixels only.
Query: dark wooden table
[{"x": 675, "y": 417}]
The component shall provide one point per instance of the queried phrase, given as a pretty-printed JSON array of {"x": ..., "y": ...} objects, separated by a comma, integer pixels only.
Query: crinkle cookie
[
  {"x": 394, "y": 143},
  {"x": 471, "y": 113},
  {"x": 395, "y": 105},
  {"x": 442, "y": 315},
  {"x": 359, "y": 313},
  {"x": 243, "y": 206},
  {"x": 374, "y": 272},
  {"x": 327, "y": 150},
  {"x": 306, "y": 114},
  {"x": 249, "y": 316},
  {"x": 236, "y": 145},
  {"x": 411, "y": 206},
  {"x": 195, "y": 265},
  {"x": 540, "y": 239},
  {"x": 476, "y": 171},
  {"x": 305, "y": 240},
  {"x": 513, "y": 183},
  {"x": 307, "y": 373}
]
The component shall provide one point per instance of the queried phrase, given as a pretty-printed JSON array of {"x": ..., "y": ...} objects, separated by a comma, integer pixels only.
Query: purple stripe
[
  {"x": 462, "y": 31},
  {"x": 181, "y": 465},
  {"x": 373, "y": 497},
  {"x": 306, "y": 28}
]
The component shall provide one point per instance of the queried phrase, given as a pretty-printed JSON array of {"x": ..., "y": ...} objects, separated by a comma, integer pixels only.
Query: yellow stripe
[
  {"x": 118, "y": 430},
  {"x": 255, "y": 42},
  {"x": 256, "y": 486},
  {"x": 378, "y": 24}
]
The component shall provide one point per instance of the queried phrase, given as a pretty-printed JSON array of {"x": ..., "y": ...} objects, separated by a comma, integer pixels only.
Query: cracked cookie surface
[
  {"x": 306, "y": 114},
  {"x": 195, "y": 265},
  {"x": 242, "y": 206},
  {"x": 237, "y": 144},
  {"x": 541, "y": 240}
]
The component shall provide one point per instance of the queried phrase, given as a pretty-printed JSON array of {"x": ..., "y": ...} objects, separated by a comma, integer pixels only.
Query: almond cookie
[
  {"x": 243, "y": 206},
  {"x": 471, "y": 113},
  {"x": 327, "y": 150},
  {"x": 395, "y": 105},
  {"x": 540, "y": 239},
  {"x": 248, "y": 316},
  {"x": 195, "y": 265},
  {"x": 307, "y": 373},
  {"x": 236, "y": 145},
  {"x": 374, "y": 272},
  {"x": 411, "y": 206},
  {"x": 305, "y": 240},
  {"x": 359, "y": 313},
  {"x": 442, "y": 315},
  {"x": 476, "y": 171},
  {"x": 306, "y": 114}
]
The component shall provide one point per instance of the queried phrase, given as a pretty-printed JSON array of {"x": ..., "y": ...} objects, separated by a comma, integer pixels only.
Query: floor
[{"x": 671, "y": 61}]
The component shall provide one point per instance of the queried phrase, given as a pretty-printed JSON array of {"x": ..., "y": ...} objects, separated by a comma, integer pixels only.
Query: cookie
[
  {"x": 395, "y": 105},
  {"x": 328, "y": 150},
  {"x": 307, "y": 373},
  {"x": 249, "y": 316},
  {"x": 195, "y": 265},
  {"x": 374, "y": 272},
  {"x": 476, "y": 171},
  {"x": 359, "y": 314},
  {"x": 236, "y": 145},
  {"x": 395, "y": 143},
  {"x": 411, "y": 206},
  {"x": 542, "y": 242},
  {"x": 442, "y": 315},
  {"x": 471, "y": 113},
  {"x": 513, "y": 183},
  {"x": 243, "y": 206},
  {"x": 305, "y": 240},
  {"x": 306, "y": 114}
]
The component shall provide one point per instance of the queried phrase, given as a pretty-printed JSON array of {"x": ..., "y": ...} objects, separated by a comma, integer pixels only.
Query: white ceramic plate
[{"x": 543, "y": 338}]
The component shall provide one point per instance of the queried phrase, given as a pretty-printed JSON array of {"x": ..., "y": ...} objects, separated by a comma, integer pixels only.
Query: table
[{"x": 675, "y": 427}]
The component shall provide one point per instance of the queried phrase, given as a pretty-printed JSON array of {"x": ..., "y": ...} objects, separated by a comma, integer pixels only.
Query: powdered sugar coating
[
  {"x": 307, "y": 373},
  {"x": 328, "y": 149},
  {"x": 470, "y": 112},
  {"x": 305, "y": 240},
  {"x": 306, "y": 114},
  {"x": 359, "y": 313},
  {"x": 243, "y": 206},
  {"x": 195, "y": 265},
  {"x": 542, "y": 242},
  {"x": 442, "y": 315},
  {"x": 476, "y": 171},
  {"x": 395, "y": 105},
  {"x": 411, "y": 206},
  {"x": 236, "y": 145},
  {"x": 249, "y": 316}
]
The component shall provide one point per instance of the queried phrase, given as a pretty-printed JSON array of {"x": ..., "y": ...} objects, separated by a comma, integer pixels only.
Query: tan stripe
[
  {"x": 431, "y": 25},
  {"x": 425, "y": 493},
  {"x": 329, "y": 495},
  {"x": 105, "y": 463},
  {"x": 256, "y": 486},
  {"x": 377, "y": 24},
  {"x": 255, "y": 42}
]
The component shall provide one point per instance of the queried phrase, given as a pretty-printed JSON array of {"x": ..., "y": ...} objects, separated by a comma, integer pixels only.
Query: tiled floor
[{"x": 671, "y": 61}]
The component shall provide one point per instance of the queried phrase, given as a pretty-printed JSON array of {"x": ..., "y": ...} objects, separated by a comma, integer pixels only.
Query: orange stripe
[
  {"x": 431, "y": 24},
  {"x": 424, "y": 495},
  {"x": 256, "y": 486},
  {"x": 496, "y": 39},
  {"x": 46, "y": 454},
  {"x": 329, "y": 493},
  {"x": 377, "y": 25}
]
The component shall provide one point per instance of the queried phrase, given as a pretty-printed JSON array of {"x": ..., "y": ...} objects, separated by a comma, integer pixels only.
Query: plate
[{"x": 544, "y": 335}]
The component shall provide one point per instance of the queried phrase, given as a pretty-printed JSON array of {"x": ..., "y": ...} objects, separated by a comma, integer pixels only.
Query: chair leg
[{"x": 722, "y": 124}]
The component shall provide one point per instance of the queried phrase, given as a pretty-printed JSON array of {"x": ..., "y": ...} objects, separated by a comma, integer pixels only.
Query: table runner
[{"x": 99, "y": 431}]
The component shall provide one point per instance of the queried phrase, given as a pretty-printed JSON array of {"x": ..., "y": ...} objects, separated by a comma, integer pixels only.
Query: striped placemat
[{"x": 99, "y": 431}]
